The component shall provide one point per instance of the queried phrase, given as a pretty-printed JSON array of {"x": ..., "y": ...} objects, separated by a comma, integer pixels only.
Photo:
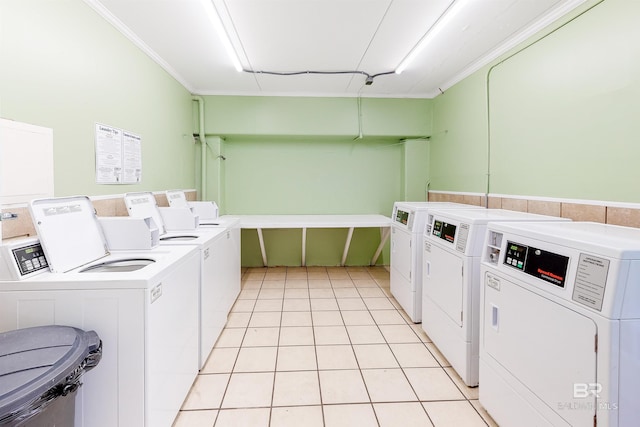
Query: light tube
[
  {"x": 214, "y": 17},
  {"x": 442, "y": 22}
]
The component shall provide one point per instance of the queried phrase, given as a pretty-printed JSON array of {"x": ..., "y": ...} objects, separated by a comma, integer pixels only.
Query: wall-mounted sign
[{"x": 118, "y": 156}]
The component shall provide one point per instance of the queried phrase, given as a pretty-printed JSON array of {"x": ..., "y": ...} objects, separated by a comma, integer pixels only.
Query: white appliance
[
  {"x": 207, "y": 211},
  {"x": 142, "y": 304},
  {"x": 219, "y": 258},
  {"x": 560, "y": 334},
  {"x": 451, "y": 287},
  {"x": 21, "y": 258},
  {"x": 407, "y": 233}
]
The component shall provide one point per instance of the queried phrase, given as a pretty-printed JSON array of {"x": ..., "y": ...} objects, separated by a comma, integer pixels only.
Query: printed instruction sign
[
  {"x": 132, "y": 157},
  {"x": 118, "y": 156},
  {"x": 591, "y": 280}
]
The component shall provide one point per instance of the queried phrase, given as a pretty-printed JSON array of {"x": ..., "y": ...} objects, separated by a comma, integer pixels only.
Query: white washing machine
[
  {"x": 206, "y": 211},
  {"x": 228, "y": 257},
  {"x": 141, "y": 304},
  {"x": 560, "y": 333},
  {"x": 451, "y": 284},
  {"x": 220, "y": 270},
  {"x": 407, "y": 233}
]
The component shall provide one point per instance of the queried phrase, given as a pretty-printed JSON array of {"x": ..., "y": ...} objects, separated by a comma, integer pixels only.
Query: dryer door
[
  {"x": 401, "y": 255},
  {"x": 546, "y": 346},
  {"x": 443, "y": 285}
]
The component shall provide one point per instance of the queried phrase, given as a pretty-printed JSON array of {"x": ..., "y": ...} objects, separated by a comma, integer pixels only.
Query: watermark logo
[
  {"x": 590, "y": 391},
  {"x": 585, "y": 390}
]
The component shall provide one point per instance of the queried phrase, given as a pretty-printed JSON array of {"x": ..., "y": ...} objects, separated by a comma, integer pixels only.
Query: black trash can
[{"x": 40, "y": 370}]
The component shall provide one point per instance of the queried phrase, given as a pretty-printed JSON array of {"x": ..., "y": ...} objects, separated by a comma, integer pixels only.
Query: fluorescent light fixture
[
  {"x": 442, "y": 22},
  {"x": 214, "y": 17}
]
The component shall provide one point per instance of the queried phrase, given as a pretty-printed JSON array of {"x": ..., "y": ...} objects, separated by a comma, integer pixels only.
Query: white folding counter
[{"x": 304, "y": 222}]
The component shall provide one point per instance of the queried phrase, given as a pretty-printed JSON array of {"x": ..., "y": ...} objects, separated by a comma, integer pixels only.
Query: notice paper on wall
[{"x": 118, "y": 156}]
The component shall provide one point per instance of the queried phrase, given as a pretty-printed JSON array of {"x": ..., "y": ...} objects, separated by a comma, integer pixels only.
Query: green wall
[
  {"x": 564, "y": 112},
  {"x": 459, "y": 140},
  {"x": 64, "y": 67},
  {"x": 558, "y": 117},
  {"x": 303, "y": 176},
  {"x": 317, "y": 117},
  {"x": 305, "y": 156}
]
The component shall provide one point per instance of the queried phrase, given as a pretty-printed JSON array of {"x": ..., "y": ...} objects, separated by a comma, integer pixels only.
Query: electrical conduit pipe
[{"x": 203, "y": 146}]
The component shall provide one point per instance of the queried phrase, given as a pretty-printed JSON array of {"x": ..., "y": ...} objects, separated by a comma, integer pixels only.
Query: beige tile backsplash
[
  {"x": 495, "y": 203},
  {"x": 628, "y": 217},
  {"x": 161, "y": 199},
  {"x": 457, "y": 198},
  {"x": 623, "y": 216},
  {"x": 514, "y": 204},
  {"x": 580, "y": 212},
  {"x": 105, "y": 207},
  {"x": 544, "y": 208},
  {"x": 23, "y": 226}
]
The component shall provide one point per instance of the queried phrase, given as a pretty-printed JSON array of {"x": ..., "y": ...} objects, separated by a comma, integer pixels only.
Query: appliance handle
[{"x": 495, "y": 317}]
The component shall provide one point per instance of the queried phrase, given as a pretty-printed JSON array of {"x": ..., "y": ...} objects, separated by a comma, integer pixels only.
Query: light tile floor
[{"x": 325, "y": 346}]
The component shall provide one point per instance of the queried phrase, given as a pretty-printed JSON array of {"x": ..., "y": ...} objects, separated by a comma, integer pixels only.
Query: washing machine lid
[
  {"x": 118, "y": 266},
  {"x": 144, "y": 205},
  {"x": 177, "y": 198},
  {"x": 69, "y": 232}
]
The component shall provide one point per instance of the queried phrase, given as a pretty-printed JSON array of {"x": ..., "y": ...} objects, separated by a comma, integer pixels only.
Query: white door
[
  {"x": 401, "y": 255},
  {"x": 443, "y": 282},
  {"x": 172, "y": 342},
  {"x": 549, "y": 348},
  {"x": 231, "y": 267},
  {"x": 213, "y": 299}
]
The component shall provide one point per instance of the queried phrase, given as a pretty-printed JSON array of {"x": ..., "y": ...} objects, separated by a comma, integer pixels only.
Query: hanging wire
[{"x": 368, "y": 81}]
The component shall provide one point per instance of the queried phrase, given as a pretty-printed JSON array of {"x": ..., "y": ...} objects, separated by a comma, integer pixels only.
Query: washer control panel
[
  {"x": 22, "y": 258},
  {"x": 30, "y": 258}
]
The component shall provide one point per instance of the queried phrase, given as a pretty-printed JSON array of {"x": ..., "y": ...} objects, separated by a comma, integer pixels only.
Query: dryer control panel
[
  {"x": 402, "y": 217},
  {"x": 444, "y": 230},
  {"x": 548, "y": 266},
  {"x": 456, "y": 234},
  {"x": 593, "y": 265}
]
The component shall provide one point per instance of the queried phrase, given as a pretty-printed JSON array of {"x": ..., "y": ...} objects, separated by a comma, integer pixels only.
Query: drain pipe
[{"x": 203, "y": 146}]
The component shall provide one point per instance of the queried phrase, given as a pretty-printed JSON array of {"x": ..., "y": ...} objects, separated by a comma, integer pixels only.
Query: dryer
[
  {"x": 407, "y": 231},
  {"x": 451, "y": 287},
  {"x": 141, "y": 304},
  {"x": 220, "y": 270},
  {"x": 560, "y": 332}
]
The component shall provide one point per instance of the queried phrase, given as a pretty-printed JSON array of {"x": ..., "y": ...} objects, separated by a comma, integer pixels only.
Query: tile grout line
[
  {"x": 368, "y": 310},
  {"x": 355, "y": 356},
  {"x": 315, "y": 351},
  {"x": 275, "y": 366},
  {"x": 215, "y": 421}
]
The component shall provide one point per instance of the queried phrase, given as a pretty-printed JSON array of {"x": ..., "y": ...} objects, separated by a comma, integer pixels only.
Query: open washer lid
[
  {"x": 144, "y": 205},
  {"x": 177, "y": 198},
  {"x": 69, "y": 232}
]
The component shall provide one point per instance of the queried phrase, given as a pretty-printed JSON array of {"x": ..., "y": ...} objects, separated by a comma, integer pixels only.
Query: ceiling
[{"x": 365, "y": 36}]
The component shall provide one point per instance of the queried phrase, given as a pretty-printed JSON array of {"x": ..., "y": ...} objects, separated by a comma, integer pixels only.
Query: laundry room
[{"x": 274, "y": 197}]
